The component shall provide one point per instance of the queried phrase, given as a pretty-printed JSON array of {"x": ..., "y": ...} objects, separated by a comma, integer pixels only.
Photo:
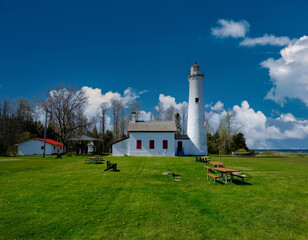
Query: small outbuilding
[{"x": 35, "y": 146}]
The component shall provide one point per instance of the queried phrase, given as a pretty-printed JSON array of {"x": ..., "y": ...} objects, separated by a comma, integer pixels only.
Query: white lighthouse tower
[{"x": 196, "y": 117}]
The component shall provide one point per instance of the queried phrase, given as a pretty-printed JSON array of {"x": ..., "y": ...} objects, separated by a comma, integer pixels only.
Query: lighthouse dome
[{"x": 195, "y": 70}]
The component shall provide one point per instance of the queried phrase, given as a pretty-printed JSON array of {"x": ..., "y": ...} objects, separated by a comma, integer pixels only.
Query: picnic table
[
  {"x": 225, "y": 171},
  {"x": 219, "y": 164},
  {"x": 94, "y": 159}
]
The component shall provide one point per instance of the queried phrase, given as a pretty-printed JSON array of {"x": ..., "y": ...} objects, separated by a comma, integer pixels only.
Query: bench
[
  {"x": 207, "y": 167},
  {"x": 202, "y": 159},
  {"x": 213, "y": 176},
  {"x": 238, "y": 174},
  {"x": 112, "y": 166}
]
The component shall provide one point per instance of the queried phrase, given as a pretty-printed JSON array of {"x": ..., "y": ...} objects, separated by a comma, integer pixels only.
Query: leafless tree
[
  {"x": 135, "y": 107},
  {"x": 226, "y": 125},
  {"x": 170, "y": 113},
  {"x": 117, "y": 114},
  {"x": 183, "y": 113},
  {"x": 103, "y": 117},
  {"x": 159, "y": 111},
  {"x": 65, "y": 108},
  {"x": 151, "y": 117}
]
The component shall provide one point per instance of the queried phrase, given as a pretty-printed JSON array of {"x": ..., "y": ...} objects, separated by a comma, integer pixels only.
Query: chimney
[{"x": 133, "y": 117}]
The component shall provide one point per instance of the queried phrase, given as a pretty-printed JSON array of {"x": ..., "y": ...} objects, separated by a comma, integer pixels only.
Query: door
[{"x": 180, "y": 146}]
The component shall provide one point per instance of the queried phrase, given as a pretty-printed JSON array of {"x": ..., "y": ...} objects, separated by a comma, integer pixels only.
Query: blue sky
[{"x": 133, "y": 46}]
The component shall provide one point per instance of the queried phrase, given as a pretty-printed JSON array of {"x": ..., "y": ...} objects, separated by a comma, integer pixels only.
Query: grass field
[{"x": 68, "y": 199}]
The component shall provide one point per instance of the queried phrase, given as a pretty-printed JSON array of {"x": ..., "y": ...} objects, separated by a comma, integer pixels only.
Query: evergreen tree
[{"x": 238, "y": 141}]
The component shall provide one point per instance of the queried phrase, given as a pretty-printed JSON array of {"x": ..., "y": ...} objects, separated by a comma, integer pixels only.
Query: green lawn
[{"x": 68, "y": 199}]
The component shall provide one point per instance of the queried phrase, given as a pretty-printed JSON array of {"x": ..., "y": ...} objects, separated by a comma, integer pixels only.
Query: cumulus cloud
[
  {"x": 96, "y": 98},
  {"x": 218, "y": 106},
  {"x": 288, "y": 117},
  {"x": 266, "y": 40},
  {"x": 230, "y": 28},
  {"x": 145, "y": 116},
  {"x": 261, "y": 131},
  {"x": 289, "y": 73},
  {"x": 167, "y": 101}
]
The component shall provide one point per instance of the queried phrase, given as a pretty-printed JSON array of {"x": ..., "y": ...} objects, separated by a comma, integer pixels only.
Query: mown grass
[{"x": 68, "y": 199}]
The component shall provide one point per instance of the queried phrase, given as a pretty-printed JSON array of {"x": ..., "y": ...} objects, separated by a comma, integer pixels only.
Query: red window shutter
[
  {"x": 165, "y": 144},
  {"x": 151, "y": 144},
  {"x": 139, "y": 144}
]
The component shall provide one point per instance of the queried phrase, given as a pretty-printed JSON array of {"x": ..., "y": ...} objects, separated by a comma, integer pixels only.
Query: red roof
[{"x": 50, "y": 141}]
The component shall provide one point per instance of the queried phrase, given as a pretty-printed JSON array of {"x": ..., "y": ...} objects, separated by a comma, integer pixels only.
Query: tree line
[{"x": 65, "y": 111}]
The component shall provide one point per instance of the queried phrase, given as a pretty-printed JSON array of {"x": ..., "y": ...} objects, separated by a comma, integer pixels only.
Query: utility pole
[{"x": 45, "y": 130}]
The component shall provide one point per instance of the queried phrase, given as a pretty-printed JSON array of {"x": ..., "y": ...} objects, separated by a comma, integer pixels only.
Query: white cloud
[
  {"x": 286, "y": 117},
  {"x": 145, "y": 116},
  {"x": 167, "y": 101},
  {"x": 289, "y": 73},
  {"x": 261, "y": 131},
  {"x": 218, "y": 106},
  {"x": 266, "y": 40},
  {"x": 96, "y": 98},
  {"x": 230, "y": 28}
]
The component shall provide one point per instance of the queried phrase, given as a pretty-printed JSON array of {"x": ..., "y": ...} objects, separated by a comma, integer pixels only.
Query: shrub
[{"x": 241, "y": 150}]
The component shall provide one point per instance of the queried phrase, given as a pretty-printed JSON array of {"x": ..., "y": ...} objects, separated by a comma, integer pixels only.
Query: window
[
  {"x": 139, "y": 144},
  {"x": 196, "y": 99},
  {"x": 151, "y": 144},
  {"x": 165, "y": 144},
  {"x": 42, "y": 147},
  {"x": 54, "y": 148}
]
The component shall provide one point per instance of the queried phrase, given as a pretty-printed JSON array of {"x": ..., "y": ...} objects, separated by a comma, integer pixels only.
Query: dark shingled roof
[
  {"x": 177, "y": 136},
  {"x": 152, "y": 126}
]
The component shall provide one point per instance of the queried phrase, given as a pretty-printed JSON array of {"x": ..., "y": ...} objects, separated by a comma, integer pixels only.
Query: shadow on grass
[
  {"x": 239, "y": 182},
  {"x": 234, "y": 181}
]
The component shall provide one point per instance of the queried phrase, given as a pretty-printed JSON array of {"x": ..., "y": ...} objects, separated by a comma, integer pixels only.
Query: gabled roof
[
  {"x": 50, "y": 141},
  {"x": 152, "y": 126}
]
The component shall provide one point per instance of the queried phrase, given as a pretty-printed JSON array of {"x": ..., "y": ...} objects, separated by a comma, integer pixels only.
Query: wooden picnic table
[
  {"x": 204, "y": 158},
  {"x": 226, "y": 171},
  {"x": 216, "y": 164},
  {"x": 94, "y": 159}
]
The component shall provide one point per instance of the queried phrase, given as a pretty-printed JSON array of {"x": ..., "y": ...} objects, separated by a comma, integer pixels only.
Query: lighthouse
[{"x": 196, "y": 130}]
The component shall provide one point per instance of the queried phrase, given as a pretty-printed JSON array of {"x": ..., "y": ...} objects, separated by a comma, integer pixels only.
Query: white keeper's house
[
  {"x": 159, "y": 138},
  {"x": 35, "y": 146}
]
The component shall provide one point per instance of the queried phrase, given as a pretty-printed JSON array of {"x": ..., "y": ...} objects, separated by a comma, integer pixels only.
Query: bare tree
[
  {"x": 178, "y": 123},
  {"x": 183, "y": 112},
  {"x": 169, "y": 113},
  {"x": 65, "y": 108},
  {"x": 151, "y": 117},
  {"x": 135, "y": 107},
  {"x": 103, "y": 117},
  {"x": 159, "y": 111},
  {"x": 226, "y": 123},
  {"x": 117, "y": 114}
]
